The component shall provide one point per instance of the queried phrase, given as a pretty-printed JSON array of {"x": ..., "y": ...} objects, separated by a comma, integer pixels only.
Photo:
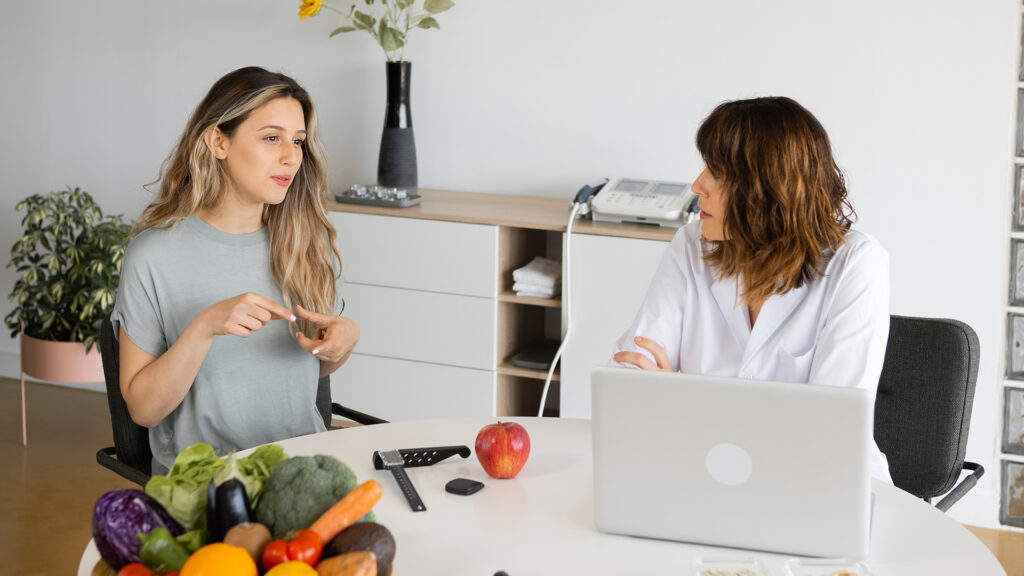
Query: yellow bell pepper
[
  {"x": 292, "y": 568},
  {"x": 219, "y": 560}
]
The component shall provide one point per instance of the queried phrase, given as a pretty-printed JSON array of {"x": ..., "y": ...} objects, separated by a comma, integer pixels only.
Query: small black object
[
  {"x": 415, "y": 457},
  {"x": 536, "y": 356},
  {"x": 463, "y": 486}
]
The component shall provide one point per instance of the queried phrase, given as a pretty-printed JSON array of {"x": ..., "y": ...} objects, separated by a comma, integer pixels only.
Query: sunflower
[{"x": 309, "y": 8}]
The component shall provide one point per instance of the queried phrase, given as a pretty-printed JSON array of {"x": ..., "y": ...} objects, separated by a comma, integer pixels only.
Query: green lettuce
[{"x": 183, "y": 490}]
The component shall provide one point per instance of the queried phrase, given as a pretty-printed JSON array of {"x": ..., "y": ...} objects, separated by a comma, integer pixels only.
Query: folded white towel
[
  {"x": 524, "y": 289},
  {"x": 540, "y": 272},
  {"x": 530, "y": 294}
]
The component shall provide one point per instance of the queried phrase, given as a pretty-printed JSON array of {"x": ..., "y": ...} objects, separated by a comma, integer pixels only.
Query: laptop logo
[{"x": 729, "y": 464}]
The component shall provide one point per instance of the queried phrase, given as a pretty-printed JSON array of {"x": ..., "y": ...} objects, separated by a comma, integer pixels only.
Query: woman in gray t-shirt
[{"x": 228, "y": 308}]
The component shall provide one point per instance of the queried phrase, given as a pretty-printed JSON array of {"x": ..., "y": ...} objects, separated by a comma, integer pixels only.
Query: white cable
[{"x": 568, "y": 311}]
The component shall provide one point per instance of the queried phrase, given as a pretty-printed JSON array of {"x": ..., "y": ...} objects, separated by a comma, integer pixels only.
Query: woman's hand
[
  {"x": 243, "y": 315},
  {"x": 335, "y": 338},
  {"x": 643, "y": 362}
]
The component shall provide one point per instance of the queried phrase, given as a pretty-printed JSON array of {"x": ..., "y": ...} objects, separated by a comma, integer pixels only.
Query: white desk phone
[{"x": 642, "y": 201}]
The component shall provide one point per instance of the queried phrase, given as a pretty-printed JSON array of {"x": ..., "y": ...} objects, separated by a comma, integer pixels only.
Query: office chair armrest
[
  {"x": 960, "y": 489},
  {"x": 355, "y": 415},
  {"x": 105, "y": 457}
]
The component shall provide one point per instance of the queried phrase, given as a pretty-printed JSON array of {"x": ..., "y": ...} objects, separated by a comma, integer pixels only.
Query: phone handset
[{"x": 581, "y": 203}]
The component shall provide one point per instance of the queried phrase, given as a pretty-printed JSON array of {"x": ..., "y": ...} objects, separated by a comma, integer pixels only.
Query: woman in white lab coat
[{"x": 772, "y": 283}]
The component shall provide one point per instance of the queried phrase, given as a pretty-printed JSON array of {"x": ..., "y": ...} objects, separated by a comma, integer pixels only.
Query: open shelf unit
[{"x": 523, "y": 321}]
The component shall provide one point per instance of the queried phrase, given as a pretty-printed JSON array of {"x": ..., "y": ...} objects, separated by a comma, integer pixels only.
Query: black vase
[{"x": 396, "y": 166}]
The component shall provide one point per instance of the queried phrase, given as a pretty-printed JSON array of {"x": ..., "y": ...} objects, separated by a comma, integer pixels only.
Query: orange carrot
[{"x": 346, "y": 511}]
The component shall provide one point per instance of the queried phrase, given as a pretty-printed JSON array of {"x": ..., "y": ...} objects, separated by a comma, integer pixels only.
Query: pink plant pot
[{"x": 60, "y": 361}]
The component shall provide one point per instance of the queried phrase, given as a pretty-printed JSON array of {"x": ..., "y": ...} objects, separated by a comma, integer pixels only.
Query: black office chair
[
  {"x": 131, "y": 457},
  {"x": 923, "y": 406}
]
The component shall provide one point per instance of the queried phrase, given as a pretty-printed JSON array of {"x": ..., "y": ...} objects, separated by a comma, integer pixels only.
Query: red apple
[{"x": 502, "y": 449}]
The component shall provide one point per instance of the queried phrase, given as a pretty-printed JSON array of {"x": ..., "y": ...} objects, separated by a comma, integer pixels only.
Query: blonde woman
[{"x": 228, "y": 308}]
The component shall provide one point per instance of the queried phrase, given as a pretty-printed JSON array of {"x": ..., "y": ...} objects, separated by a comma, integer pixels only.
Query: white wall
[{"x": 536, "y": 97}]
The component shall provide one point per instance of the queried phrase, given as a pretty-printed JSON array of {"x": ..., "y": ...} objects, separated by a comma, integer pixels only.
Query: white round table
[{"x": 542, "y": 521}]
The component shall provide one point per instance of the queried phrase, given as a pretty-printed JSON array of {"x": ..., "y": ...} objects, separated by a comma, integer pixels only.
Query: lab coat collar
[
  {"x": 773, "y": 313},
  {"x": 736, "y": 317}
]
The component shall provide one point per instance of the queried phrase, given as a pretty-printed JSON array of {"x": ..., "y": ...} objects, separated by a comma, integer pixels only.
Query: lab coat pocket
[{"x": 794, "y": 367}]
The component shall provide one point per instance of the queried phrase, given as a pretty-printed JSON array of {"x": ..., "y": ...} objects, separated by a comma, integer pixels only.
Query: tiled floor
[{"x": 48, "y": 489}]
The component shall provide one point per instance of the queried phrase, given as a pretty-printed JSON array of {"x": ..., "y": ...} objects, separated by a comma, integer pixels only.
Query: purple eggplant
[
  {"x": 118, "y": 518},
  {"x": 227, "y": 505}
]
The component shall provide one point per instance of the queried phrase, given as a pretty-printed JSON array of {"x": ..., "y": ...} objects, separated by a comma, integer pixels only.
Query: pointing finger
[
  {"x": 276, "y": 310},
  {"x": 314, "y": 317}
]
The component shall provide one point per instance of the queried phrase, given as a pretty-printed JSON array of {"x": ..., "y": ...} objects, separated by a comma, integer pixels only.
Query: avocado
[{"x": 368, "y": 536}]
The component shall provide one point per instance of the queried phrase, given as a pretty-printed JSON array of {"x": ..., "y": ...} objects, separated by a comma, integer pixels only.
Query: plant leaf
[
  {"x": 362, "y": 21},
  {"x": 437, "y": 6},
  {"x": 428, "y": 22},
  {"x": 391, "y": 39},
  {"x": 342, "y": 30}
]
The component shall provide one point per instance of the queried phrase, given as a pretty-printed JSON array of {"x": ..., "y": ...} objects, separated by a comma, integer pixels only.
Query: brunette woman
[{"x": 772, "y": 284}]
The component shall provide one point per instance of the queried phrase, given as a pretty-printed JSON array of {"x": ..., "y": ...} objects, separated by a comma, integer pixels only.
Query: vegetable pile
[
  {"x": 263, "y": 514},
  {"x": 301, "y": 489}
]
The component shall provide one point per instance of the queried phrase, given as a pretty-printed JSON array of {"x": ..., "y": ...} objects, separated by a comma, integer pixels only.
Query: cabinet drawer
[
  {"x": 450, "y": 257},
  {"x": 424, "y": 326},
  {"x": 398, "y": 390}
]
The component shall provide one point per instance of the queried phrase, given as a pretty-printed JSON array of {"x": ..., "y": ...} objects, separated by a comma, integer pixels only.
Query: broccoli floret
[{"x": 302, "y": 488}]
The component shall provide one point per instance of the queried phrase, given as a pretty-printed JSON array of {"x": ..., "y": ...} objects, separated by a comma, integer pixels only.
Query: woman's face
[
  {"x": 711, "y": 204},
  {"x": 265, "y": 152}
]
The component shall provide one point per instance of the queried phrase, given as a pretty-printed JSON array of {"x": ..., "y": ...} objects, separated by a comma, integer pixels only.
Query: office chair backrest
[
  {"x": 923, "y": 407},
  {"x": 131, "y": 441}
]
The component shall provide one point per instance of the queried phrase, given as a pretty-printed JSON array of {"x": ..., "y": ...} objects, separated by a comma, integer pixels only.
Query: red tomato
[
  {"x": 135, "y": 569},
  {"x": 306, "y": 547},
  {"x": 274, "y": 553},
  {"x": 303, "y": 545}
]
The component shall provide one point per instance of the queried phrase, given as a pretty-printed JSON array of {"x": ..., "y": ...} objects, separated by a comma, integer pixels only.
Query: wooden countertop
[{"x": 530, "y": 212}]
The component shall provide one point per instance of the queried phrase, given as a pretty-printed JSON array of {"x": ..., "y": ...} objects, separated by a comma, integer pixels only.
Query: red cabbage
[{"x": 119, "y": 517}]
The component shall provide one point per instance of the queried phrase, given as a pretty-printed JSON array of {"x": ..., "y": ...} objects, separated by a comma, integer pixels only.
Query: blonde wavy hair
[
  {"x": 787, "y": 209},
  {"x": 302, "y": 239}
]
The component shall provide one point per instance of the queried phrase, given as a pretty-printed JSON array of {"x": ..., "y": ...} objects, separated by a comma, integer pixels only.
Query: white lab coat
[{"x": 832, "y": 330}]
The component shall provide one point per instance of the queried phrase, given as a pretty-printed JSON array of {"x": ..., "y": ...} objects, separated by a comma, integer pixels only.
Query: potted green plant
[
  {"x": 396, "y": 164},
  {"x": 69, "y": 264}
]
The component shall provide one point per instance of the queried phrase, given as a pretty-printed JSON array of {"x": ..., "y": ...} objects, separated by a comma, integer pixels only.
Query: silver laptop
[{"x": 770, "y": 466}]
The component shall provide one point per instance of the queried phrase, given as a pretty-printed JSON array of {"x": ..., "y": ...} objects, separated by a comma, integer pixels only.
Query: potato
[
  {"x": 363, "y": 563},
  {"x": 252, "y": 536}
]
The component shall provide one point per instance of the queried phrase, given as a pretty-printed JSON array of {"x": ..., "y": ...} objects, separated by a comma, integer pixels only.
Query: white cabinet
[
  {"x": 424, "y": 293},
  {"x": 610, "y": 276},
  {"x": 431, "y": 288}
]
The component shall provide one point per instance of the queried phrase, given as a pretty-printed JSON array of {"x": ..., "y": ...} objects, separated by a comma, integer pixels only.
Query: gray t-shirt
[{"x": 248, "y": 391}]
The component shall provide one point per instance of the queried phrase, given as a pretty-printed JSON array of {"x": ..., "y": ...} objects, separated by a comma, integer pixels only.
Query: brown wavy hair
[
  {"x": 302, "y": 239},
  {"x": 786, "y": 202}
]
